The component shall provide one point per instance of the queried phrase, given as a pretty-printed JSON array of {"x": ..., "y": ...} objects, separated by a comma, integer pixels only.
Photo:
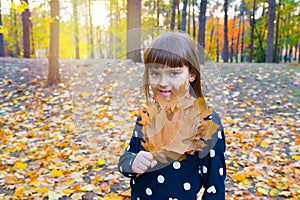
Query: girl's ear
[{"x": 192, "y": 77}]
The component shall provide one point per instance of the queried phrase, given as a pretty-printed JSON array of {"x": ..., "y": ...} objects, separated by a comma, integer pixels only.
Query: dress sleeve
[
  {"x": 134, "y": 146},
  {"x": 213, "y": 165}
]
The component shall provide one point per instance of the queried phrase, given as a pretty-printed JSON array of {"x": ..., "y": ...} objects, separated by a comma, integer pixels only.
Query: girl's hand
[{"x": 142, "y": 162}]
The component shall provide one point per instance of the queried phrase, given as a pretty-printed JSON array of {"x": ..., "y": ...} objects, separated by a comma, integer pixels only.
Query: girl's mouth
[{"x": 166, "y": 94}]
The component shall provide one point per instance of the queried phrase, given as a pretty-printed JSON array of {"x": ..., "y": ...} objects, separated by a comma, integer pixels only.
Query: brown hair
[{"x": 173, "y": 49}]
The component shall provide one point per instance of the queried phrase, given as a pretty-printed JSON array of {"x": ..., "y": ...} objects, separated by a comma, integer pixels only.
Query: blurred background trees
[{"x": 229, "y": 30}]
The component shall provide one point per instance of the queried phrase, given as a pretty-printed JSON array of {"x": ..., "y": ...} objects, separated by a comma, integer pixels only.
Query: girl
[{"x": 157, "y": 170}]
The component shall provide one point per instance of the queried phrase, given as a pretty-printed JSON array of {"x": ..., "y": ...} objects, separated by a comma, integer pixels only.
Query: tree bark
[
  {"x": 133, "y": 34},
  {"x": 183, "y": 22},
  {"x": 172, "y": 24},
  {"x": 53, "y": 73},
  {"x": 225, "y": 48},
  {"x": 178, "y": 15},
  {"x": 252, "y": 24},
  {"x": 270, "y": 37},
  {"x": 91, "y": 42},
  {"x": 2, "y": 52},
  {"x": 76, "y": 30},
  {"x": 243, "y": 31},
  {"x": 202, "y": 23},
  {"x": 26, "y": 30},
  {"x": 277, "y": 35},
  {"x": 232, "y": 37},
  {"x": 194, "y": 21}
]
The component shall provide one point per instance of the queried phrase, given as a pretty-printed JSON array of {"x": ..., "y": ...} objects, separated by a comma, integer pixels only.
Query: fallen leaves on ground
[{"x": 59, "y": 144}]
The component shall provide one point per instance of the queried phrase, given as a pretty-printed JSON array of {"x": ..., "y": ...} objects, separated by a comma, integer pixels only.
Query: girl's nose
[{"x": 164, "y": 81}]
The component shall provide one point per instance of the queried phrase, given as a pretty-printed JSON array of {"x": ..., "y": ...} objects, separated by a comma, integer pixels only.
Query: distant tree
[
  {"x": 277, "y": 35},
  {"x": 194, "y": 21},
  {"x": 252, "y": 24},
  {"x": 243, "y": 29},
  {"x": 26, "y": 29},
  {"x": 270, "y": 37},
  {"x": 225, "y": 48},
  {"x": 91, "y": 34},
  {"x": 133, "y": 33},
  {"x": 202, "y": 23},
  {"x": 172, "y": 24},
  {"x": 2, "y": 53},
  {"x": 76, "y": 31},
  {"x": 53, "y": 73},
  {"x": 178, "y": 15},
  {"x": 183, "y": 22}
]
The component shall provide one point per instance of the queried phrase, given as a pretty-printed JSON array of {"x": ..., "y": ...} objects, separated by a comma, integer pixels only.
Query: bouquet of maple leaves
[{"x": 176, "y": 127}]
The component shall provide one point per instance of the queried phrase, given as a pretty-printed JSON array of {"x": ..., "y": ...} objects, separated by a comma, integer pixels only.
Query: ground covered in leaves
[{"x": 64, "y": 142}]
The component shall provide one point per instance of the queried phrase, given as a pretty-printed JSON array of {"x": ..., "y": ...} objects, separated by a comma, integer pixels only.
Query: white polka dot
[
  {"x": 176, "y": 165},
  {"x": 137, "y": 198},
  {"x": 212, "y": 153},
  {"x": 187, "y": 186},
  {"x": 148, "y": 191},
  {"x": 210, "y": 117},
  {"x": 133, "y": 182},
  {"x": 135, "y": 133},
  {"x": 121, "y": 169},
  {"x": 211, "y": 189},
  {"x": 128, "y": 147},
  {"x": 200, "y": 171},
  {"x": 204, "y": 169},
  {"x": 221, "y": 171},
  {"x": 160, "y": 179},
  {"x": 220, "y": 135}
]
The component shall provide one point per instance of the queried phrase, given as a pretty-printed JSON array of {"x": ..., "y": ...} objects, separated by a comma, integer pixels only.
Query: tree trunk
[
  {"x": 178, "y": 15},
  {"x": 217, "y": 38},
  {"x": 270, "y": 37},
  {"x": 194, "y": 21},
  {"x": 26, "y": 30},
  {"x": 202, "y": 23},
  {"x": 183, "y": 23},
  {"x": 299, "y": 52},
  {"x": 232, "y": 38},
  {"x": 243, "y": 31},
  {"x": 252, "y": 24},
  {"x": 53, "y": 73},
  {"x": 189, "y": 18},
  {"x": 296, "y": 50},
  {"x": 133, "y": 41},
  {"x": 238, "y": 41},
  {"x": 225, "y": 48},
  {"x": 277, "y": 35},
  {"x": 157, "y": 12},
  {"x": 2, "y": 52},
  {"x": 91, "y": 42},
  {"x": 76, "y": 30},
  {"x": 172, "y": 24}
]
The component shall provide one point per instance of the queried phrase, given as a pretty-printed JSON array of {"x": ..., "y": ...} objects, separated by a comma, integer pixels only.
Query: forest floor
[{"x": 64, "y": 142}]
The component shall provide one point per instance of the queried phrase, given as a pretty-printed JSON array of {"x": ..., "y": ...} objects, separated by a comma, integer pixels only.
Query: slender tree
[
  {"x": 225, "y": 48},
  {"x": 277, "y": 35},
  {"x": 252, "y": 24},
  {"x": 202, "y": 23},
  {"x": 178, "y": 15},
  {"x": 2, "y": 52},
  {"x": 91, "y": 42},
  {"x": 172, "y": 24},
  {"x": 183, "y": 22},
  {"x": 26, "y": 29},
  {"x": 194, "y": 21},
  {"x": 76, "y": 31},
  {"x": 270, "y": 37},
  {"x": 133, "y": 34},
  {"x": 53, "y": 73},
  {"x": 232, "y": 36},
  {"x": 238, "y": 40},
  {"x": 243, "y": 30}
]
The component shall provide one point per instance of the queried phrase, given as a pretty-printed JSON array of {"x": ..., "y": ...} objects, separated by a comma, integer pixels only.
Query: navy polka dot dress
[{"x": 179, "y": 180}]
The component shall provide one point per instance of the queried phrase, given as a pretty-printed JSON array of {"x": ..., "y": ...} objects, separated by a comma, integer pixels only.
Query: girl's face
[{"x": 164, "y": 80}]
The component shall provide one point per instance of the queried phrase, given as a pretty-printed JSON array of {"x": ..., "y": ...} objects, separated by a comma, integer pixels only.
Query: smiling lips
[{"x": 165, "y": 93}]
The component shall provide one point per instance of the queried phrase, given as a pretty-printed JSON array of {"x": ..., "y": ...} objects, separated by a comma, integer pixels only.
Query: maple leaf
[{"x": 170, "y": 132}]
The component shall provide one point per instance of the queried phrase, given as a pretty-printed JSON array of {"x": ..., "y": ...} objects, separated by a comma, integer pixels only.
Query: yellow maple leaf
[
  {"x": 43, "y": 190},
  {"x": 19, "y": 165},
  {"x": 56, "y": 173},
  {"x": 101, "y": 161},
  {"x": 296, "y": 157},
  {"x": 20, "y": 191}
]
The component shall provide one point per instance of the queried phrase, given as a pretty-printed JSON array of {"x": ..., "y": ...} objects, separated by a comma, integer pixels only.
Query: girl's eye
[
  {"x": 174, "y": 73},
  {"x": 154, "y": 74}
]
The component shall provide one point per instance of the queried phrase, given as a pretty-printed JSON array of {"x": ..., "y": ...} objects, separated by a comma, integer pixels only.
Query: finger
[
  {"x": 137, "y": 170},
  {"x": 153, "y": 163},
  {"x": 147, "y": 155}
]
